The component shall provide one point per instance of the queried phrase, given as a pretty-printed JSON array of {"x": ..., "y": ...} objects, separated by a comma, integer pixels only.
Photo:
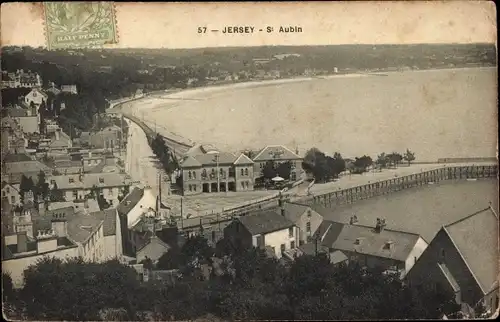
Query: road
[{"x": 140, "y": 162}]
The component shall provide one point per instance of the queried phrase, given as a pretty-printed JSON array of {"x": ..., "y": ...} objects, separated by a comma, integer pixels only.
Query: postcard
[{"x": 249, "y": 160}]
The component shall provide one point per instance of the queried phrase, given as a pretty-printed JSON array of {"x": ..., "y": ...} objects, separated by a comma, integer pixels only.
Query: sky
[{"x": 175, "y": 25}]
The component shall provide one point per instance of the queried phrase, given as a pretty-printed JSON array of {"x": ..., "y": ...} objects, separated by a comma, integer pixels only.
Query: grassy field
[{"x": 435, "y": 113}]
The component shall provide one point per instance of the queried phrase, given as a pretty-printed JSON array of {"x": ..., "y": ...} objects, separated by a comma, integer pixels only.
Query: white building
[
  {"x": 77, "y": 186},
  {"x": 36, "y": 96},
  {"x": 266, "y": 230},
  {"x": 112, "y": 233},
  {"x": 11, "y": 192}
]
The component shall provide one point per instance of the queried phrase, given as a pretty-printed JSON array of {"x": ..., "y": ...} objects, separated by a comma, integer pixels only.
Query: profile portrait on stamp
[{"x": 79, "y": 24}]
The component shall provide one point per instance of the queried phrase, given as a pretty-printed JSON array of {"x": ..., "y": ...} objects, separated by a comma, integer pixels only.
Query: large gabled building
[
  {"x": 207, "y": 170},
  {"x": 463, "y": 258}
]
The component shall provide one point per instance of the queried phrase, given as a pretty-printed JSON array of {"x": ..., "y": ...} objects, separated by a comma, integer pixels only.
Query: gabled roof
[
  {"x": 82, "y": 226},
  {"x": 476, "y": 239},
  {"x": 26, "y": 167},
  {"x": 190, "y": 162},
  {"x": 155, "y": 240},
  {"x": 243, "y": 160},
  {"x": 130, "y": 201},
  {"x": 276, "y": 152},
  {"x": 210, "y": 158},
  {"x": 372, "y": 243},
  {"x": 293, "y": 211},
  {"x": 108, "y": 216},
  {"x": 265, "y": 222},
  {"x": 90, "y": 180}
]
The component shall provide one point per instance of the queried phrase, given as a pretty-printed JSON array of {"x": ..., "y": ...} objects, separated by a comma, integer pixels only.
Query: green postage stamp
[{"x": 80, "y": 24}]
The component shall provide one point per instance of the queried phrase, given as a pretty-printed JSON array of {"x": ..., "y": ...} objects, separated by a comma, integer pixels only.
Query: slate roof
[
  {"x": 130, "y": 201},
  {"x": 243, "y": 160},
  {"x": 270, "y": 151},
  {"x": 210, "y": 159},
  {"x": 190, "y": 162},
  {"x": 476, "y": 238},
  {"x": 293, "y": 211},
  {"x": 91, "y": 179},
  {"x": 19, "y": 157},
  {"x": 26, "y": 167},
  {"x": 373, "y": 243},
  {"x": 156, "y": 240},
  {"x": 75, "y": 227},
  {"x": 265, "y": 222},
  {"x": 108, "y": 216}
]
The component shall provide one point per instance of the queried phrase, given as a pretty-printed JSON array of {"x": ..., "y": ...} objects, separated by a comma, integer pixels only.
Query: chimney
[
  {"x": 58, "y": 134},
  {"x": 60, "y": 227},
  {"x": 389, "y": 245},
  {"x": 22, "y": 242}
]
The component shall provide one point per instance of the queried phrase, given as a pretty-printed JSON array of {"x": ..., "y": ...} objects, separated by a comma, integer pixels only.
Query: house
[
  {"x": 378, "y": 246},
  {"x": 21, "y": 79},
  {"x": 278, "y": 154},
  {"x": 36, "y": 96},
  {"x": 11, "y": 192},
  {"x": 71, "y": 89},
  {"x": 463, "y": 258},
  {"x": 19, "y": 252},
  {"x": 216, "y": 172},
  {"x": 131, "y": 210},
  {"x": 153, "y": 249},
  {"x": 261, "y": 230},
  {"x": 13, "y": 171},
  {"x": 113, "y": 245},
  {"x": 305, "y": 219},
  {"x": 77, "y": 186},
  {"x": 87, "y": 232},
  {"x": 60, "y": 142},
  {"x": 107, "y": 138}
]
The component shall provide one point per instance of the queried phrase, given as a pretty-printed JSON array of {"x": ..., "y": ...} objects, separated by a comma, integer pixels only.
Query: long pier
[{"x": 370, "y": 190}]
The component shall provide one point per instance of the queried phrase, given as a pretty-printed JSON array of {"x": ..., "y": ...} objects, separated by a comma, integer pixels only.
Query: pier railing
[{"x": 370, "y": 190}]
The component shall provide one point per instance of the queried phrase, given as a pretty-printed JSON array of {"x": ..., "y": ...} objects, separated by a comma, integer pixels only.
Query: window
[
  {"x": 308, "y": 226},
  {"x": 261, "y": 165},
  {"x": 283, "y": 248},
  {"x": 101, "y": 180},
  {"x": 290, "y": 232},
  {"x": 242, "y": 172},
  {"x": 190, "y": 188},
  {"x": 309, "y": 213},
  {"x": 221, "y": 171},
  {"x": 292, "y": 245},
  {"x": 189, "y": 176},
  {"x": 247, "y": 184},
  {"x": 71, "y": 180},
  {"x": 7, "y": 189},
  {"x": 246, "y": 171},
  {"x": 12, "y": 199},
  {"x": 194, "y": 174},
  {"x": 110, "y": 191},
  {"x": 194, "y": 187},
  {"x": 75, "y": 194},
  {"x": 243, "y": 185}
]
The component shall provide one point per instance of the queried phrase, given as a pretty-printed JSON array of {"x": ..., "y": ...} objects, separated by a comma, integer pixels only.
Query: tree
[
  {"x": 409, "y": 156},
  {"x": 42, "y": 111},
  {"x": 284, "y": 169},
  {"x": 269, "y": 170},
  {"x": 56, "y": 195},
  {"x": 42, "y": 187},
  {"x": 362, "y": 163},
  {"x": 76, "y": 290},
  {"x": 25, "y": 186},
  {"x": 395, "y": 158},
  {"x": 382, "y": 160}
]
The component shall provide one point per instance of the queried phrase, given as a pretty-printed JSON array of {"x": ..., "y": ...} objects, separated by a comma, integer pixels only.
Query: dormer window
[
  {"x": 71, "y": 180},
  {"x": 389, "y": 245},
  {"x": 358, "y": 241}
]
